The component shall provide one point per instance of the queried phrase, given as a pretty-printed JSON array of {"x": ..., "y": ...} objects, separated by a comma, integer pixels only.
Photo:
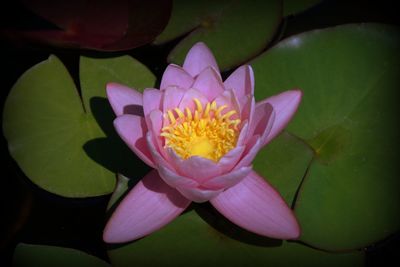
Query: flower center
[{"x": 208, "y": 132}]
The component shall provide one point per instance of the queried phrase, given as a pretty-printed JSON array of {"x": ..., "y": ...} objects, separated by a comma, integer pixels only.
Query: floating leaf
[
  {"x": 349, "y": 75},
  {"x": 27, "y": 255},
  {"x": 99, "y": 25},
  {"x": 234, "y": 30},
  {"x": 48, "y": 128},
  {"x": 283, "y": 163}
]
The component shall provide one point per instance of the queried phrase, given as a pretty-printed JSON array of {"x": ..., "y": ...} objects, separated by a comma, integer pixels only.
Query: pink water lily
[{"x": 200, "y": 134}]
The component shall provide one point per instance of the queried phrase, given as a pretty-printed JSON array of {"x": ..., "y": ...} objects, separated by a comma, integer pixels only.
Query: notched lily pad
[
  {"x": 48, "y": 127},
  {"x": 283, "y": 163},
  {"x": 234, "y": 30},
  {"x": 349, "y": 76}
]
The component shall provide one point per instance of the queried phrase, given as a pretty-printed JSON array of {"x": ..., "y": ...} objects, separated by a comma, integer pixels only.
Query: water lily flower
[{"x": 200, "y": 134}]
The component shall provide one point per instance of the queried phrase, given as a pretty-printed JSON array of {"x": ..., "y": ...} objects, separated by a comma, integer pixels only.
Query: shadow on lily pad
[
  {"x": 210, "y": 215},
  {"x": 110, "y": 151}
]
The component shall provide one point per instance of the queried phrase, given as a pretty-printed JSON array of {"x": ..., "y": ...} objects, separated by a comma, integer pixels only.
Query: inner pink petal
[
  {"x": 152, "y": 100},
  {"x": 209, "y": 83},
  {"x": 187, "y": 99},
  {"x": 174, "y": 75},
  {"x": 241, "y": 81},
  {"x": 198, "y": 58}
]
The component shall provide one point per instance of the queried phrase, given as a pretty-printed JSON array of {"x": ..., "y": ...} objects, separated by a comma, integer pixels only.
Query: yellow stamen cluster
[{"x": 207, "y": 132}]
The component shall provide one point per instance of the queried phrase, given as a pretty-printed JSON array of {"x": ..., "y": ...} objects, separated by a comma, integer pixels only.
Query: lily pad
[
  {"x": 291, "y": 7},
  {"x": 349, "y": 75},
  {"x": 234, "y": 30},
  {"x": 47, "y": 126},
  {"x": 27, "y": 255},
  {"x": 203, "y": 237},
  {"x": 283, "y": 163}
]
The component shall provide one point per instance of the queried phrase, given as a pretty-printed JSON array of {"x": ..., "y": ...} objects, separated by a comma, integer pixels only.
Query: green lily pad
[
  {"x": 234, "y": 30},
  {"x": 27, "y": 255},
  {"x": 291, "y": 7},
  {"x": 49, "y": 131},
  {"x": 283, "y": 163},
  {"x": 349, "y": 76},
  {"x": 202, "y": 237}
]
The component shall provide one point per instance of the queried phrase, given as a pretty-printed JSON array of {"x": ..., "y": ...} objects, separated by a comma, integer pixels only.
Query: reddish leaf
[{"x": 99, "y": 24}]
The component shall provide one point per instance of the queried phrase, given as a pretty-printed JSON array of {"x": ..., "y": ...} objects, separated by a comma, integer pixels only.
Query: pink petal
[
  {"x": 243, "y": 133},
  {"x": 209, "y": 82},
  {"x": 256, "y": 206},
  {"x": 198, "y": 58},
  {"x": 247, "y": 107},
  {"x": 175, "y": 180},
  {"x": 252, "y": 148},
  {"x": 205, "y": 168},
  {"x": 241, "y": 81},
  {"x": 228, "y": 180},
  {"x": 230, "y": 159},
  {"x": 285, "y": 106},
  {"x": 262, "y": 121},
  {"x": 187, "y": 99},
  {"x": 174, "y": 75},
  {"x": 155, "y": 119},
  {"x": 198, "y": 195},
  {"x": 158, "y": 156},
  {"x": 149, "y": 206},
  {"x": 124, "y": 100},
  {"x": 229, "y": 99},
  {"x": 132, "y": 129},
  {"x": 152, "y": 100},
  {"x": 172, "y": 97}
]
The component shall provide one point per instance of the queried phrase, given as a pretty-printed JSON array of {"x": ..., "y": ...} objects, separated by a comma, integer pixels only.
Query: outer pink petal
[
  {"x": 285, "y": 106},
  {"x": 149, "y": 206},
  {"x": 152, "y": 99},
  {"x": 174, "y": 75},
  {"x": 241, "y": 81},
  {"x": 124, "y": 100},
  {"x": 262, "y": 121},
  {"x": 198, "y": 58},
  {"x": 132, "y": 129},
  {"x": 228, "y": 180},
  {"x": 198, "y": 195},
  {"x": 209, "y": 82},
  {"x": 256, "y": 206}
]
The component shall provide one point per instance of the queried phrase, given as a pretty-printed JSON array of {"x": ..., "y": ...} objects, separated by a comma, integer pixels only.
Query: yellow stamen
[{"x": 203, "y": 132}]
